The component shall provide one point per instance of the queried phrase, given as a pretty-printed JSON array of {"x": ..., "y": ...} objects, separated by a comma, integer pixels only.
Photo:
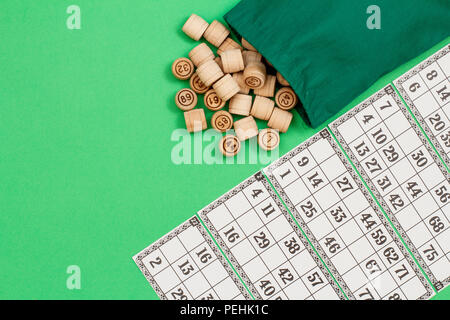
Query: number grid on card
[
  {"x": 401, "y": 169},
  {"x": 266, "y": 246},
  {"x": 209, "y": 274},
  {"x": 426, "y": 90},
  {"x": 330, "y": 228},
  {"x": 269, "y": 173}
]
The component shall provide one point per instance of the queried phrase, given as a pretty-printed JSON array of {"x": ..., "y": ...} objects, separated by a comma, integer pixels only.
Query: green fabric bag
[{"x": 325, "y": 49}]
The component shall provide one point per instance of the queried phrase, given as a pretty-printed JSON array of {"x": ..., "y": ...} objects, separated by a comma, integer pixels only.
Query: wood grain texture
[
  {"x": 195, "y": 27},
  {"x": 183, "y": 68},
  {"x": 228, "y": 44},
  {"x": 197, "y": 85},
  {"x": 255, "y": 75},
  {"x": 212, "y": 101},
  {"x": 246, "y": 128},
  {"x": 286, "y": 98},
  {"x": 232, "y": 61},
  {"x": 218, "y": 60},
  {"x": 241, "y": 104},
  {"x": 268, "y": 139},
  {"x": 186, "y": 99},
  {"x": 209, "y": 72},
  {"x": 239, "y": 77},
  {"x": 226, "y": 87},
  {"x": 262, "y": 108},
  {"x": 216, "y": 33},
  {"x": 222, "y": 121},
  {"x": 251, "y": 56},
  {"x": 200, "y": 54},
  {"x": 268, "y": 89},
  {"x": 280, "y": 120},
  {"x": 229, "y": 146},
  {"x": 195, "y": 120}
]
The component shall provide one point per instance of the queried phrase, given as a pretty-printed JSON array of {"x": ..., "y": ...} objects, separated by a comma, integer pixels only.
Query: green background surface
[{"x": 86, "y": 118}]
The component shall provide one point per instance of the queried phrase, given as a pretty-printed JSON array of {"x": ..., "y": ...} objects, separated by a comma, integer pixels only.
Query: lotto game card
[
  {"x": 344, "y": 224},
  {"x": 265, "y": 245},
  {"x": 186, "y": 265},
  {"x": 426, "y": 90},
  {"x": 405, "y": 175}
]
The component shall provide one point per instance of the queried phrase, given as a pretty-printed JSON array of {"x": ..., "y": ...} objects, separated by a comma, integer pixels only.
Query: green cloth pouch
[{"x": 325, "y": 50}]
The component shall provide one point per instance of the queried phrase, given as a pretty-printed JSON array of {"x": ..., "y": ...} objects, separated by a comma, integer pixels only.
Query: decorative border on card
[
  {"x": 399, "y": 85},
  {"x": 325, "y": 134},
  {"x": 383, "y": 220},
  {"x": 192, "y": 222},
  {"x": 301, "y": 236},
  {"x": 203, "y": 215},
  {"x": 260, "y": 177},
  {"x": 389, "y": 90}
]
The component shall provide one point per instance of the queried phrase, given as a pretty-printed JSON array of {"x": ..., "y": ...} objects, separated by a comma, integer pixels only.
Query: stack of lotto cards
[{"x": 359, "y": 211}]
